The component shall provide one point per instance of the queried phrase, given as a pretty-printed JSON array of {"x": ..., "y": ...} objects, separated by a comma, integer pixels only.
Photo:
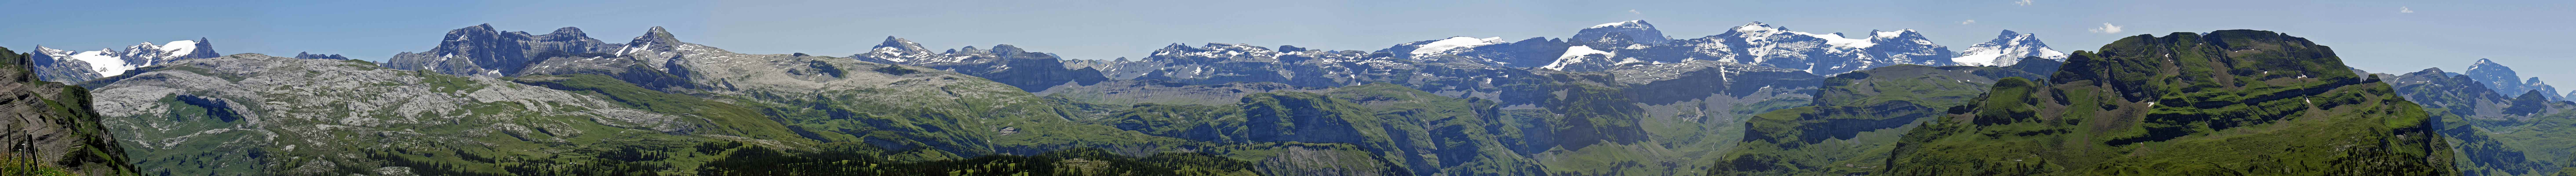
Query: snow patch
[
  {"x": 1837, "y": 39},
  {"x": 179, "y": 48},
  {"x": 1444, "y": 45},
  {"x": 1623, "y": 24},
  {"x": 1575, "y": 55}
]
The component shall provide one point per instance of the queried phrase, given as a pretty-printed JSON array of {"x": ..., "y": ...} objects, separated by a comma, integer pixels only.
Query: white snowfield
[
  {"x": 1452, "y": 43},
  {"x": 1575, "y": 54}
]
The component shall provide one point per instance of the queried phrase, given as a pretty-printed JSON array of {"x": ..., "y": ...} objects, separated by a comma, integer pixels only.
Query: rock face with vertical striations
[
  {"x": 2232, "y": 102},
  {"x": 51, "y": 126},
  {"x": 480, "y": 50}
]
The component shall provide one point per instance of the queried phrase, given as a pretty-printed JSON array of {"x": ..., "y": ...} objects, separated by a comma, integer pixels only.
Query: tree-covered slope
[
  {"x": 50, "y": 128},
  {"x": 2232, "y": 102}
]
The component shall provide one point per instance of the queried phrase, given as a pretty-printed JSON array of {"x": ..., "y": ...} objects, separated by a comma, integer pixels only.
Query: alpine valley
[{"x": 1620, "y": 98}]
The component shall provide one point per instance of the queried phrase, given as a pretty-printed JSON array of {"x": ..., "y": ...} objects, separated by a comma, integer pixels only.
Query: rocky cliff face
[
  {"x": 2459, "y": 95},
  {"x": 2494, "y": 135},
  {"x": 51, "y": 127},
  {"x": 483, "y": 51},
  {"x": 1713, "y": 92},
  {"x": 2502, "y": 79},
  {"x": 1620, "y": 34}
]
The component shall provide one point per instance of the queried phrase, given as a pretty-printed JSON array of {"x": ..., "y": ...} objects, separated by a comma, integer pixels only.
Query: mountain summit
[
  {"x": 2503, "y": 80},
  {"x": 2008, "y": 49},
  {"x": 1620, "y": 34},
  {"x": 480, "y": 50}
]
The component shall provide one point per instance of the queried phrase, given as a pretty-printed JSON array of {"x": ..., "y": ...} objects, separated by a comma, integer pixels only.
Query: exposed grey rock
[
  {"x": 2534, "y": 84},
  {"x": 252, "y": 102},
  {"x": 2462, "y": 95},
  {"x": 1620, "y": 34},
  {"x": 303, "y": 55},
  {"x": 482, "y": 51},
  {"x": 2503, "y": 80},
  {"x": 51, "y": 125},
  {"x": 1030, "y": 71}
]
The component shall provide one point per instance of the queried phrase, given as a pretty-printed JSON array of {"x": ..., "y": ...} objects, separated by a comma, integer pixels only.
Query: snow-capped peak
[
  {"x": 1757, "y": 27},
  {"x": 182, "y": 46},
  {"x": 895, "y": 49},
  {"x": 900, "y": 44},
  {"x": 1640, "y": 24},
  {"x": 2007, "y": 49},
  {"x": 1624, "y": 33},
  {"x": 41, "y": 49},
  {"x": 1891, "y": 34}
]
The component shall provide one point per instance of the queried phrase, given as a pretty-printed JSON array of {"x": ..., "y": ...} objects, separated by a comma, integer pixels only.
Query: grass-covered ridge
[
  {"x": 1857, "y": 118},
  {"x": 2233, "y": 102}
]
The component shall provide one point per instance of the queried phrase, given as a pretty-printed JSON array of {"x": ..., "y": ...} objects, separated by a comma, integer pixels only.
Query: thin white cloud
[
  {"x": 2107, "y": 28},
  {"x": 2405, "y": 10},
  {"x": 1634, "y": 11},
  {"x": 2022, "y": 2},
  {"x": 1968, "y": 22}
]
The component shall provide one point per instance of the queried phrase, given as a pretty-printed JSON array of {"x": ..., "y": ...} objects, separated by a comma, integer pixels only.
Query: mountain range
[
  {"x": 2503, "y": 80},
  {"x": 76, "y": 66},
  {"x": 1613, "y": 99}
]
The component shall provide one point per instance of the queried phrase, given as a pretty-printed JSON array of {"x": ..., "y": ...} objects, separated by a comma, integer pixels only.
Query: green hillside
[
  {"x": 2233, "y": 102},
  {"x": 1857, "y": 118}
]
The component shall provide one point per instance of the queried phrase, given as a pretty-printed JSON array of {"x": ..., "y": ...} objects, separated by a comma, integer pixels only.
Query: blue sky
[{"x": 2374, "y": 35}]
